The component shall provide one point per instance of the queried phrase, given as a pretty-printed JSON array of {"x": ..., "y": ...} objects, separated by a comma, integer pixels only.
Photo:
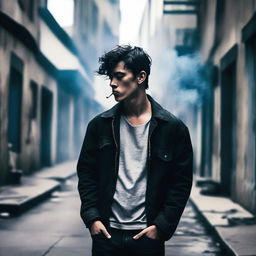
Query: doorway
[
  {"x": 228, "y": 122},
  {"x": 15, "y": 104},
  {"x": 251, "y": 72},
  {"x": 46, "y": 126}
]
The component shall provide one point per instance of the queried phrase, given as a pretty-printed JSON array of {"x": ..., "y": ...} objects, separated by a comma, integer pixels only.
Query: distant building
[
  {"x": 95, "y": 31},
  {"x": 169, "y": 32},
  {"x": 96, "y": 28},
  {"x": 174, "y": 24},
  {"x": 46, "y": 89}
]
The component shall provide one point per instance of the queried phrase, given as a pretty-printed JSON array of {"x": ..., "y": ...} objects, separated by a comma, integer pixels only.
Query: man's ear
[{"x": 141, "y": 77}]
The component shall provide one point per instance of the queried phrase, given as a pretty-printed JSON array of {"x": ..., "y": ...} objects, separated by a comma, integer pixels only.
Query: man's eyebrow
[{"x": 118, "y": 72}]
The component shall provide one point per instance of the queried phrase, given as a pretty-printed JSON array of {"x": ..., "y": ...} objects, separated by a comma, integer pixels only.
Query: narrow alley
[
  {"x": 190, "y": 67},
  {"x": 54, "y": 228}
]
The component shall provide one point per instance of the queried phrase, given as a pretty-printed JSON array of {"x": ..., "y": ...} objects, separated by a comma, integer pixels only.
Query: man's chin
[
  {"x": 123, "y": 97},
  {"x": 118, "y": 98}
]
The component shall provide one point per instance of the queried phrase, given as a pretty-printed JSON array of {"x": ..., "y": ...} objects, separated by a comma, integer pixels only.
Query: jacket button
[{"x": 165, "y": 156}]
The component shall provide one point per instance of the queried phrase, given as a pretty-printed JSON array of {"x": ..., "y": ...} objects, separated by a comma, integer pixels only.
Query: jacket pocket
[
  {"x": 164, "y": 155},
  {"x": 164, "y": 161}
]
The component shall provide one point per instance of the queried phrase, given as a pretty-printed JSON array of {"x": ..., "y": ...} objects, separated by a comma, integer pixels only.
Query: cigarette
[{"x": 109, "y": 95}]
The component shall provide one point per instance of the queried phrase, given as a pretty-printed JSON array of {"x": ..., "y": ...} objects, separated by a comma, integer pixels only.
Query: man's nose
[{"x": 113, "y": 83}]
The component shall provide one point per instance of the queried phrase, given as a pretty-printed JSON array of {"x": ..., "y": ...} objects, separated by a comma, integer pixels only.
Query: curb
[
  {"x": 225, "y": 246},
  {"x": 38, "y": 199},
  {"x": 15, "y": 199},
  {"x": 16, "y": 208}
]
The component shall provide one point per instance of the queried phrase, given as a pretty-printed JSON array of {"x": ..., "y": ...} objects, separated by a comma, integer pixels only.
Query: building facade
[
  {"x": 217, "y": 39},
  {"x": 227, "y": 42},
  {"x": 46, "y": 89}
]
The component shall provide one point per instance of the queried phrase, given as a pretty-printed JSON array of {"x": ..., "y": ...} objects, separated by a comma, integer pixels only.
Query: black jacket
[{"x": 169, "y": 177}]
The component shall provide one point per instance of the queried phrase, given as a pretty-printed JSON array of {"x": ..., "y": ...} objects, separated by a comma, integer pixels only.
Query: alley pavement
[
  {"x": 54, "y": 227},
  {"x": 234, "y": 226}
]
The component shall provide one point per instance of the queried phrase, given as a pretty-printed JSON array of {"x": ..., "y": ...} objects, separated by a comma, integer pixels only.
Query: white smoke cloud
[{"x": 177, "y": 80}]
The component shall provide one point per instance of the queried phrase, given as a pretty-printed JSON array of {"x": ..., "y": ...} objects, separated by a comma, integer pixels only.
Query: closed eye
[{"x": 117, "y": 75}]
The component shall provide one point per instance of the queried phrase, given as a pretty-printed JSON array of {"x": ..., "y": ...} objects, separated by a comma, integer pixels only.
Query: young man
[{"x": 135, "y": 166}]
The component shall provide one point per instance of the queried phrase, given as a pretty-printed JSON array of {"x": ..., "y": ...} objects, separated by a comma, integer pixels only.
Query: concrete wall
[
  {"x": 48, "y": 57},
  {"x": 29, "y": 157},
  {"x": 14, "y": 10},
  {"x": 221, "y": 28}
]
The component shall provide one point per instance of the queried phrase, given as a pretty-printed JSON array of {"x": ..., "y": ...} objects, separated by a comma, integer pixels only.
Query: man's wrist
[
  {"x": 159, "y": 232},
  {"x": 91, "y": 222}
]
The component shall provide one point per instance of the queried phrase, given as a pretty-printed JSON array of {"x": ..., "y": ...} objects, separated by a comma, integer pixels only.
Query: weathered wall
[
  {"x": 29, "y": 157},
  {"x": 217, "y": 38}
]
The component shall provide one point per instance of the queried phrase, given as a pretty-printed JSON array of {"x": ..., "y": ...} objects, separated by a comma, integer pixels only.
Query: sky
[
  {"x": 63, "y": 15},
  {"x": 131, "y": 14}
]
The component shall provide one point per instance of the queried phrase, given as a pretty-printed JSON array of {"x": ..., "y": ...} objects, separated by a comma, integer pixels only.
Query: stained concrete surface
[
  {"x": 234, "y": 225},
  {"x": 54, "y": 228}
]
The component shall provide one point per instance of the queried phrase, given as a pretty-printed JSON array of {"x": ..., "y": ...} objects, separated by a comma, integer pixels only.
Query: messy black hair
[{"x": 135, "y": 59}]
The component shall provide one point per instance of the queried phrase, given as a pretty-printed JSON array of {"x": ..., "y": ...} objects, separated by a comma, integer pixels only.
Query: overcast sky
[
  {"x": 131, "y": 14},
  {"x": 62, "y": 11}
]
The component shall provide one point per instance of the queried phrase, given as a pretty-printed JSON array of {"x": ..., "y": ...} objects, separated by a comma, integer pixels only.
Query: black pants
[{"x": 122, "y": 243}]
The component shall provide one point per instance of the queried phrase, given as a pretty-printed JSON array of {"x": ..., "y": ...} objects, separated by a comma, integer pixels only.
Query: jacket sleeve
[
  {"x": 180, "y": 186},
  {"x": 87, "y": 176}
]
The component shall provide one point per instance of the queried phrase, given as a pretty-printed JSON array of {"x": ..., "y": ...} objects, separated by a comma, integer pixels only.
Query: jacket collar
[{"x": 157, "y": 110}]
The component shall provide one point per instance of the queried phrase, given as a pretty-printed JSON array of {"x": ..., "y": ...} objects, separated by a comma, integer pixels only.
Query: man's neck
[{"x": 137, "y": 106}]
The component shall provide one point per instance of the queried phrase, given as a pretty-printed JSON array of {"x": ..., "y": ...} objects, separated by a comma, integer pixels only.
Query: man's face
[{"x": 123, "y": 82}]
